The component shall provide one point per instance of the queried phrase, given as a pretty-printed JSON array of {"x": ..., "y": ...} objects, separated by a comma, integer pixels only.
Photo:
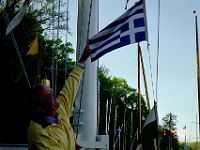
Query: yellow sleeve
[
  {"x": 40, "y": 139},
  {"x": 69, "y": 91}
]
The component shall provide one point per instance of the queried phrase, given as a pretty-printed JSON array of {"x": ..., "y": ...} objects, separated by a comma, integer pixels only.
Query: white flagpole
[{"x": 87, "y": 21}]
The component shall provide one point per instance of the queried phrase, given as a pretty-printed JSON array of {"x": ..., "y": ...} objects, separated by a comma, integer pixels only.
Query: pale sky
[{"x": 177, "y": 83}]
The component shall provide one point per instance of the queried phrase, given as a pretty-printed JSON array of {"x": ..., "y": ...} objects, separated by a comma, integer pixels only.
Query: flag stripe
[
  {"x": 119, "y": 21},
  {"x": 136, "y": 9},
  {"x": 113, "y": 44},
  {"x": 121, "y": 30},
  {"x": 104, "y": 34},
  {"x": 128, "y": 28},
  {"x": 113, "y": 27}
]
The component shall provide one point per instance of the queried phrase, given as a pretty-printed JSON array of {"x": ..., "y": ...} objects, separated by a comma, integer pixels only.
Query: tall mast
[
  {"x": 196, "y": 133},
  {"x": 197, "y": 61},
  {"x": 86, "y": 115},
  {"x": 139, "y": 98},
  {"x": 87, "y": 26}
]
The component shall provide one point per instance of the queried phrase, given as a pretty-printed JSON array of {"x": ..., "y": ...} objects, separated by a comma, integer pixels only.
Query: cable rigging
[
  {"x": 150, "y": 68},
  {"x": 158, "y": 46},
  {"x": 53, "y": 37},
  {"x": 17, "y": 50},
  {"x": 56, "y": 56},
  {"x": 67, "y": 24}
]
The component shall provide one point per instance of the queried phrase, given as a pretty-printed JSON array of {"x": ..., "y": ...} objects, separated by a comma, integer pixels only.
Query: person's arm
[
  {"x": 78, "y": 147},
  {"x": 86, "y": 53},
  {"x": 70, "y": 88}
]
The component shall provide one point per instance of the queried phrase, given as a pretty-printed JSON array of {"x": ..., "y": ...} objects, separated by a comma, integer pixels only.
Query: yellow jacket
[{"x": 60, "y": 136}]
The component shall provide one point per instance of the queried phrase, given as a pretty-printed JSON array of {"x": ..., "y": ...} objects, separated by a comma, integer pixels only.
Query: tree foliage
[
  {"x": 116, "y": 93},
  {"x": 168, "y": 135},
  {"x": 36, "y": 22},
  {"x": 169, "y": 121}
]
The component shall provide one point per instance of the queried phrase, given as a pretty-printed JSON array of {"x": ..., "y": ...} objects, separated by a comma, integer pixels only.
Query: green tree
[
  {"x": 12, "y": 77},
  {"x": 168, "y": 134},
  {"x": 118, "y": 94},
  {"x": 169, "y": 121}
]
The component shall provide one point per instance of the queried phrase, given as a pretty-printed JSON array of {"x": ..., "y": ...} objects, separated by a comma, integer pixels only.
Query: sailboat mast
[
  {"x": 196, "y": 133},
  {"x": 87, "y": 27},
  {"x": 139, "y": 98},
  {"x": 85, "y": 118},
  {"x": 197, "y": 61},
  {"x": 145, "y": 81}
]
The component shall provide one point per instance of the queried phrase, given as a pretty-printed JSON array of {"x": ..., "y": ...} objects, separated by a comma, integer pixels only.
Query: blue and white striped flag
[{"x": 130, "y": 27}]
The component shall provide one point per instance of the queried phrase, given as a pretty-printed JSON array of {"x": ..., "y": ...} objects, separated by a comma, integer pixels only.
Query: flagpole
[
  {"x": 196, "y": 133},
  {"x": 38, "y": 78},
  {"x": 139, "y": 99},
  {"x": 145, "y": 81},
  {"x": 124, "y": 133},
  {"x": 115, "y": 127},
  {"x": 185, "y": 137},
  {"x": 131, "y": 135},
  {"x": 197, "y": 61}
]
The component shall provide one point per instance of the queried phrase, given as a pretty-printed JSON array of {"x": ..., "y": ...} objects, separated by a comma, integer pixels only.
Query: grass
[{"x": 191, "y": 145}]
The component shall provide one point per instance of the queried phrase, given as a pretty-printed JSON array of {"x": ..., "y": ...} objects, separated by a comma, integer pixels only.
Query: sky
[{"x": 177, "y": 82}]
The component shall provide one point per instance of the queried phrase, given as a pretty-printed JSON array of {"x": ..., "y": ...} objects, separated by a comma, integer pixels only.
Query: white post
[
  {"x": 85, "y": 119},
  {"x": 88, "y": 90}
]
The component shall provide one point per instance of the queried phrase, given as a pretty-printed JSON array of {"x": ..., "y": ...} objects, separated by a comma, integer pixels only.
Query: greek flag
[{"x": 130, "y": 27}]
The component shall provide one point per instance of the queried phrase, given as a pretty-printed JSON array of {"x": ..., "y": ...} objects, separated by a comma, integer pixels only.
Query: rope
[
  {"x": 67, "y": 23},
  {"x": 17, "y": 50},
  {"x": 79, "y": 46},
  {"x": 56, "y": 57},
  {"x": 150, "y": 60},
  {"x": 126, "y": 4},
  {"x": 151, "y": 72},
  {"x": 88, "y": 30},
  {"x": 158, "y": 45},
  {"x": 52, "y": 61}
]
